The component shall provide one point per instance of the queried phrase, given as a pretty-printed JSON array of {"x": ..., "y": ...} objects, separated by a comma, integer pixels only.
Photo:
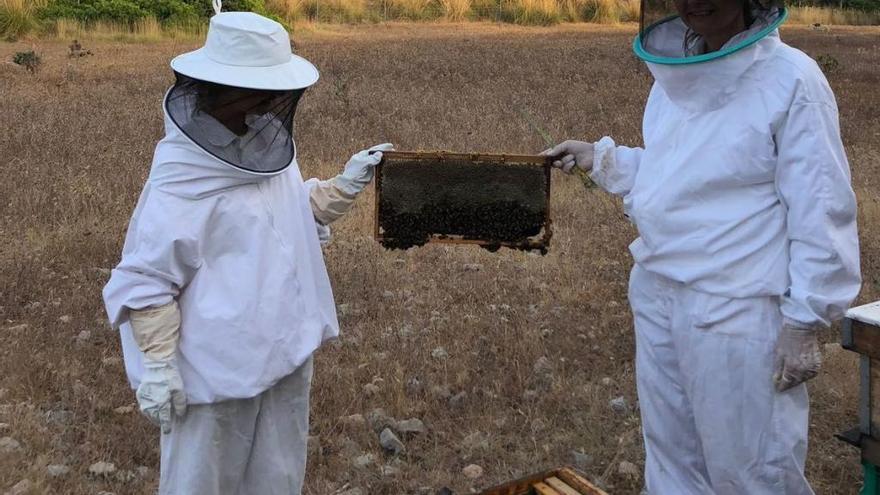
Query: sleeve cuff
[{"x": 604, "y": 159}]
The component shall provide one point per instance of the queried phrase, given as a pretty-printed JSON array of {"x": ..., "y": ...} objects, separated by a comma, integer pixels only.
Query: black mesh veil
[
  {"x": 250, "y": 129},
  {"x": 654, "y": 11}
]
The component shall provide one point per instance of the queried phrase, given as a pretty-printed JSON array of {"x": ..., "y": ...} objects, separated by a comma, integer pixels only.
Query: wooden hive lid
[{"x": 868, "y": 313}]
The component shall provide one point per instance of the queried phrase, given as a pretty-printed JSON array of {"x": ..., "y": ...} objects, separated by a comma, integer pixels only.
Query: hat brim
[{"x": 298, "y": 73}]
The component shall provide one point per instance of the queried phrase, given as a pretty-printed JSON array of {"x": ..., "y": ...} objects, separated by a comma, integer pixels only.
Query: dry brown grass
[
  {"x": 455, "y": 10},
  {"x": 831, "y": 16},
  {"x": 76, "y": 147},
  {"x": 146, "y": 29},
  {"x": 629, "y": 10},
  {"x": 18, "y": 17},
  {"x": 601, "y": 11}
]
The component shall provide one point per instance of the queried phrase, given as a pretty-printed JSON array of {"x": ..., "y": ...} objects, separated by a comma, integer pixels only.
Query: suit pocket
[{"x": 753, "y": 318}]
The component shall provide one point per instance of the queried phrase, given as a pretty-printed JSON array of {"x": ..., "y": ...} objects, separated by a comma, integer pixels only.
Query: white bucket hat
[{"x": 247, "y": 50}]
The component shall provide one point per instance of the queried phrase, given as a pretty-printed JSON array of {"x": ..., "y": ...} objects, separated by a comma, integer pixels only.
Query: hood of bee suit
[
  {"x": 183, "y": 168},
  {"x": 704, "y": 82}
]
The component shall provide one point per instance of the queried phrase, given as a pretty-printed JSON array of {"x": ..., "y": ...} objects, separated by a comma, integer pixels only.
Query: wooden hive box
[
  {"x": 562, "y": 481},
  {"x": 861, "y": 333}
]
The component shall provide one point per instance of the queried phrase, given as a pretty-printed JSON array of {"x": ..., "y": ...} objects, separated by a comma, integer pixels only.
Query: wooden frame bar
[{"x": 562, "y": 481}]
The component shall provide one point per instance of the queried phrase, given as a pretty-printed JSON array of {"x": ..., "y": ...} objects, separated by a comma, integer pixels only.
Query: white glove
[
  {"x": 797, "y": 357},
  {"x": 156, "y": 331},
  {"x": 569, "y": 154},
  {"x": 161, "y": 393},
  {"x": 359, "y": 169}
]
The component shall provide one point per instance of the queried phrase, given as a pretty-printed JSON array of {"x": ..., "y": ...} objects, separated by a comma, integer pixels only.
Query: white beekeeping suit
[
  {"x": 222, "y": 296},
  {"x": 747, "y": 246}
]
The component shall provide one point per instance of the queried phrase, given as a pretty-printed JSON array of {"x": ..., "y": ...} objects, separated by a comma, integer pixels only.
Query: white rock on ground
[
  {"x": 9, "y": 445},
  {"x": 126, "y": 476},
  {"x": 457, "y": 400},
  {"x": 472, "y": 471},
  {"x": 390, "y": 471},
  {"x": 412, "y": 426},
  {"x": 57, "y": 470},
  {"x": 102, "y": 468},
  {"x": 83, "y": 336},
  {"x": 629, "y": 469},
  {"x": 390, "y": 442},
  {"x": 371, "y": 389},
  {"x": 363, "y": 461},
  {"x": 20, "y": 488},
  {"x": 379, "y": 420},
  {"x": 66, "y": 319},
  {"x": 143, "y": 471},
  {"x": 607, "y": 382},
  {"x": 619, "y": 405},
  {"x": 439, "y": 353},
  {"x": 581, "y": 460}
]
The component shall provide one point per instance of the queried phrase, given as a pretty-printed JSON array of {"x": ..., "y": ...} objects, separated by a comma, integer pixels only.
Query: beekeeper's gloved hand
[
  {"x": 330, "y": 199},
  {"x": 797, "y": 357},
  {"x": 359, "y": 169},
  {"x": 570, "y": 154},
  {"x": 160, "y": 394}
]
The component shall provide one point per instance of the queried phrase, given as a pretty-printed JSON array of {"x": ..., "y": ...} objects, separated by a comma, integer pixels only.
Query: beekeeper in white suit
[
  {"x": 747, "y": 246},
  {"x": 222, "y": 295}
]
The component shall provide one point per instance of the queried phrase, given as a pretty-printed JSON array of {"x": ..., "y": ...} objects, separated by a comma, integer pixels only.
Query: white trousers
[
  {"x": 251, "y": 446},
  {"x": 713, "y": 423}
]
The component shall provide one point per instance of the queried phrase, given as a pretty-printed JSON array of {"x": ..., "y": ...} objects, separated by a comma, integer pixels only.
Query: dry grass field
[{"x": 536, "y": 347}]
